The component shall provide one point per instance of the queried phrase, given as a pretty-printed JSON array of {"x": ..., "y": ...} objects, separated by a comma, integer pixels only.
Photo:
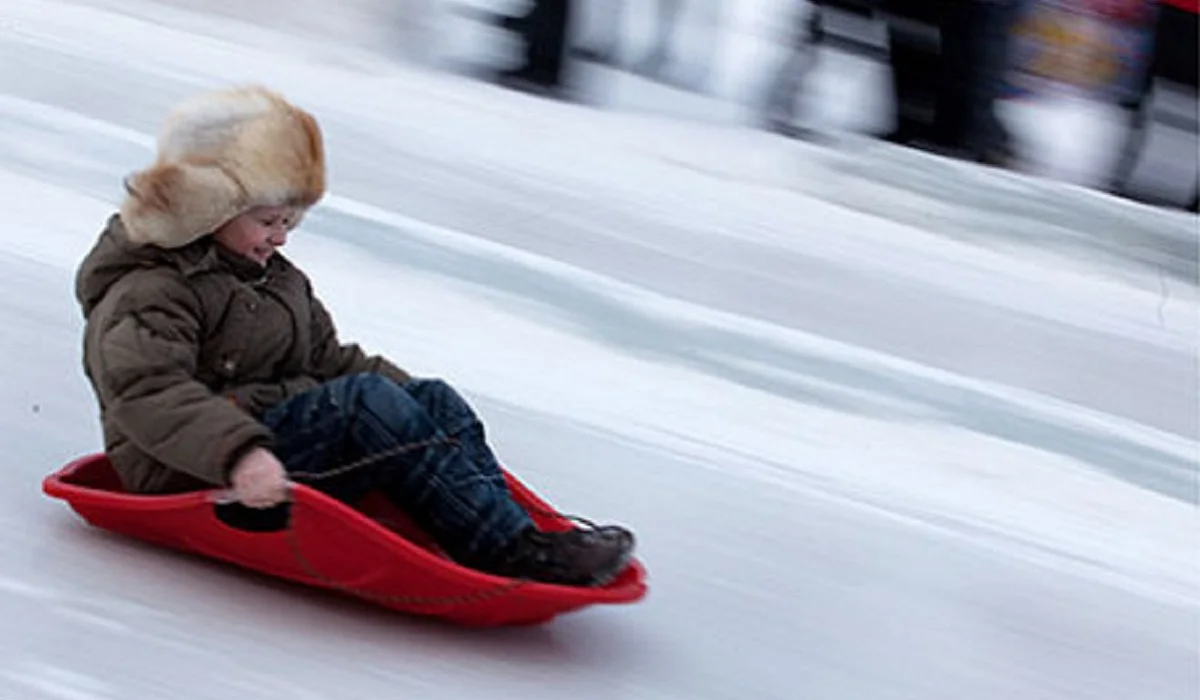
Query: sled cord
[
  {"x": 372, "y": 459},
  {"x": 413, "y": 447},
  {"x": 429, "y": 601}
]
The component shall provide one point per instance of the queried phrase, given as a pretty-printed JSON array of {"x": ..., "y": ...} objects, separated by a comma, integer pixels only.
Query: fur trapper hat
[{"x": 221, "y": 153}]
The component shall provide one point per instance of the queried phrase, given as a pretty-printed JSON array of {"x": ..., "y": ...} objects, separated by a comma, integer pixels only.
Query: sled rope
[
  {"x": 372, "y": 459},
  {"x": 310, "y": 570},
  {"x": 405, "y": 448}
]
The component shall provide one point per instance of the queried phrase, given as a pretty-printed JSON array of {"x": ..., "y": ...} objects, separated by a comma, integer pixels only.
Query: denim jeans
[{"x": 452, "y": 487}]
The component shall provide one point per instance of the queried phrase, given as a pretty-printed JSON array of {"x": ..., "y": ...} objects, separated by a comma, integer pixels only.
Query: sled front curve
[{"x": 372, "y": 552}]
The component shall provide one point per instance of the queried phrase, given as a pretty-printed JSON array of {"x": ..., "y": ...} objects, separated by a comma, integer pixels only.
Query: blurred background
[{"x": 1097, "y": 92}]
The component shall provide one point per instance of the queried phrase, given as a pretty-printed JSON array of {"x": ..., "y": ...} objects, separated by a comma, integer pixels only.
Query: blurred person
[
  {"x": 1175, "y": 58},
  {"x": 544, "y": 29},
  {"x": 914, "y": 36},
  {"x": 600, "y": 30},
  {"x": 806, "y": 32},
  {"x": 976, "y": 46},
  {"x": 783, "y": 91},
  {"x": 948, "y": 58},
  {"x": 215, "y": 364}
]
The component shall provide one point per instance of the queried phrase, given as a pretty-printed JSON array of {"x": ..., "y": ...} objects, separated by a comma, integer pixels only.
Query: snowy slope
[{"x": 841, "y": 490}]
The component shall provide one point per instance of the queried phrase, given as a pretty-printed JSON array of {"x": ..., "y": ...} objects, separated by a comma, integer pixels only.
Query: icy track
[{"x": 866, "y": 458}]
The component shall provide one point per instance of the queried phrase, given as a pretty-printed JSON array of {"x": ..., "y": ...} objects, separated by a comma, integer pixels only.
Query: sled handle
[{"x": 234, "y": 514}]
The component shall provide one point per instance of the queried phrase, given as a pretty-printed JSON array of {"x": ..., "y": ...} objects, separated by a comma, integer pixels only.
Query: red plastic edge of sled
[{"x": 334, "y": 546}]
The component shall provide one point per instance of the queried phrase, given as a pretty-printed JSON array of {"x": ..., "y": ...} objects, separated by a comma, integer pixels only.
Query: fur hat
[{"x": 221, "y": 153}]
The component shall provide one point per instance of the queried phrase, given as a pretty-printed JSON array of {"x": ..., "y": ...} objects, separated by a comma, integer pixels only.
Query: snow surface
[{"x": 887, "y": 427}]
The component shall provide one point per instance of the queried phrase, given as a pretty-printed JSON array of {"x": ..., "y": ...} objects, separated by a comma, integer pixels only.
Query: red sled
[{"x": 371, "y": 551}]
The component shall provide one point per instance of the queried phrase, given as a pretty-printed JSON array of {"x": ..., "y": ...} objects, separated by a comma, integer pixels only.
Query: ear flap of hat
[{"x": 172, "y": 204}]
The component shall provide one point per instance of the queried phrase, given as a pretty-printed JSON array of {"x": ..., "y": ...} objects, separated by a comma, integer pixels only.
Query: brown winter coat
[{"x": 185, "y": 347}]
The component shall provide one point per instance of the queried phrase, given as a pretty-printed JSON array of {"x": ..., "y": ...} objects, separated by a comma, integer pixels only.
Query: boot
[{"x": 577, "y": 557}]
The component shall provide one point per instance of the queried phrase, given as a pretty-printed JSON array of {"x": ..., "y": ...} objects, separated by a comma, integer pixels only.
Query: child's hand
[{"x": 259, "y": 479}]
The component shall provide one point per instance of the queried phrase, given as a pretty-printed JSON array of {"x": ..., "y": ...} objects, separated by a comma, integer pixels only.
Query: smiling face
[{"x": 255, "y": 234}]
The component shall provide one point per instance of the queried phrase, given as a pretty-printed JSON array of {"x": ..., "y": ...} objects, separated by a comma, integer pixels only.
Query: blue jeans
[{"x": 419, "y": 443}]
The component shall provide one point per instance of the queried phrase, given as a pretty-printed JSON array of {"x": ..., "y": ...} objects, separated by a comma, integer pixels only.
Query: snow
[{"x": 872, "y": 446}]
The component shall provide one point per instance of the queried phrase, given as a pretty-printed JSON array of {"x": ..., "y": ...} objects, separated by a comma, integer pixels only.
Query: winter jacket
[{"x": 185, "y": 347}]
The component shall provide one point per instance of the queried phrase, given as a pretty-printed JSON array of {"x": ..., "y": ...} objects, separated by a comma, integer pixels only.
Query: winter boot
[{"x": 579, "y": 557}]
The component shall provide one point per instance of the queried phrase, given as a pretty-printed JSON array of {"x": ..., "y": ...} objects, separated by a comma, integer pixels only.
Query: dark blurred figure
[
  {"x": 914, "y": 32},
  {"x": 948, "y": 59},
  {"x": 1174, "y": 58},
  {"x": 991, "y": 139},
  {"x": 544, "y": 29},
  {"x": 976, "y": 59}
]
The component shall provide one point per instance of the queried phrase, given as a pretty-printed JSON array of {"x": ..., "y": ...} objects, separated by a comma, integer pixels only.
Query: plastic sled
[{"x": 370, "y": 550}]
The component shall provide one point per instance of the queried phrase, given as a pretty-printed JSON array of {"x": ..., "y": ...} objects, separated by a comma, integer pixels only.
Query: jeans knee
[
  {"x": 377, "y": 398},
  {"x": 428, "y": 386},
  {"x": 353, "y": 389},
  {"x": 445, "y": 404}
]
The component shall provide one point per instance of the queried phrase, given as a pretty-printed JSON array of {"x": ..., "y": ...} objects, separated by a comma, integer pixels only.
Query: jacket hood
[{"x": 114, "y": 255}]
